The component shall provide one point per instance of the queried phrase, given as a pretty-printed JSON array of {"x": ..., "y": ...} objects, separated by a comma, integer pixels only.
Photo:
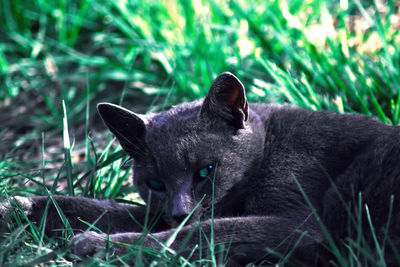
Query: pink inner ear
[{"x": 235, "y": 94}]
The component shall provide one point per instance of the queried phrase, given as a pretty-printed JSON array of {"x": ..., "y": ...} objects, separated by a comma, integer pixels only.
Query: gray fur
[{"x": 259, "y": 151}]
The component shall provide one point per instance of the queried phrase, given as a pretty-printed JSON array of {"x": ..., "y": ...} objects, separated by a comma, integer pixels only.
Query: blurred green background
[{"x": 341, "y": 56}]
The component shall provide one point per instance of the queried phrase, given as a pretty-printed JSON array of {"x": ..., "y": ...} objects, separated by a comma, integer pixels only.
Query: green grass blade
[{"x": 67, "y": 152}]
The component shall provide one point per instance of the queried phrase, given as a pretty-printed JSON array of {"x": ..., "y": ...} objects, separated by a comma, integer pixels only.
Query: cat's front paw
[
  {"x": 91, "y": 243},
  {"x": 14, "y": 204},
  {"x": 87, "y": 244}
]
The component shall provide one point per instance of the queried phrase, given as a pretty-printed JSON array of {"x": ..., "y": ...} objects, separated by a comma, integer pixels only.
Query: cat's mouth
[{"x": 175, "y": 221}]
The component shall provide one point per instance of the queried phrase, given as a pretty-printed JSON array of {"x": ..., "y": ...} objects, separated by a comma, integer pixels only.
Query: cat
[{"x": 265, "y": 180}]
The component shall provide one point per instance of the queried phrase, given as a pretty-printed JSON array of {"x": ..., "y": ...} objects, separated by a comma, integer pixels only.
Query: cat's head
[{"x": 193, "y": 154}]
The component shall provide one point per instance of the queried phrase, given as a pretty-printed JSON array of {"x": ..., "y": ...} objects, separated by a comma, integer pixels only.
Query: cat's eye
[
  {"x": 206, "y": 172},
  {"x": 156, "y": 185}
]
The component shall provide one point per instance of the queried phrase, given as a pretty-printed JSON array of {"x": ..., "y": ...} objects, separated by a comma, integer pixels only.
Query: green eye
[
  {"x": 206, "y": 172},
  {"x": 156, "y": 185}
]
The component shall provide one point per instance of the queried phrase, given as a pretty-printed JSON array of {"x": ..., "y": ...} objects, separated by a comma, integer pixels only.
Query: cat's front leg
[
  {"x": 75, "y": 213},
  {"x": 243, "y": 237}
]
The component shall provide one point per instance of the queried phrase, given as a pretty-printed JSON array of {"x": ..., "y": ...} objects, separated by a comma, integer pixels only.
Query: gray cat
[{"x": 259, "y": 177}]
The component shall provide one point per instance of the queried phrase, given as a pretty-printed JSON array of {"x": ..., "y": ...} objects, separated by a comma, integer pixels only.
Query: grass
[{"x": 59, "y": 58}]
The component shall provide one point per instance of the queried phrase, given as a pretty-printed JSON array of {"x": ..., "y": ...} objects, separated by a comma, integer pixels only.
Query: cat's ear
[
  {"x": 226, "y": 99},
  {"x": 127, "y": 126}
]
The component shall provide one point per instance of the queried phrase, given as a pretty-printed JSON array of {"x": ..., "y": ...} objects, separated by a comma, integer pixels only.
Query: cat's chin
[
  {"x": 175, "y": 223},
  {"x": 170, "y": 221}
]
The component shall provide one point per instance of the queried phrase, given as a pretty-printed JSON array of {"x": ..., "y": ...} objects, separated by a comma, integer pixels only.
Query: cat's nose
[
  {"x": 179, "y": 218},
  {"x": 181, "y": 206}
]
